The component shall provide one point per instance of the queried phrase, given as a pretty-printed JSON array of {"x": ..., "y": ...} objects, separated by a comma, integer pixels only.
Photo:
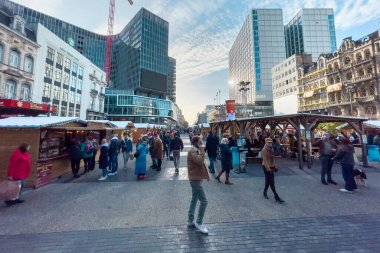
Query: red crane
[{"x": 107, "y": 64}]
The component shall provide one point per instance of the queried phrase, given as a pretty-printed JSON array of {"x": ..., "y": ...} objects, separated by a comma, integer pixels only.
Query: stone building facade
[{"x": 345, "y": 82}]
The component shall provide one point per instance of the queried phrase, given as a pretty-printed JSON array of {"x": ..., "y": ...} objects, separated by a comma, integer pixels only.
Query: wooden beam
[
  {"x": 294, "y": 124},
  {"x": 297, "y": 126}
]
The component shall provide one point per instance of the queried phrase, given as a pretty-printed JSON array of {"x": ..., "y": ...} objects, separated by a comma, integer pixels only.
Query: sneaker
[
  {"x": 102, "y": 178},
  {"x": 201, "y": 228},
  {"x": 18, "y": 201},
  {"x": 115, "y": 173},
  {"x": 111, "y": 174},
  {"x": 344, "y": 190},
  {"x": 190, "y": 224}
]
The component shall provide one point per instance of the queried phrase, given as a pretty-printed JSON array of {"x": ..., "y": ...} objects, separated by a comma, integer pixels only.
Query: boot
[
  {"x": 228, "y": 178},
  {"x": 265, "y": 195},
  {"x": 278, "y": 199},
  {"x": 218, "y": 177}
]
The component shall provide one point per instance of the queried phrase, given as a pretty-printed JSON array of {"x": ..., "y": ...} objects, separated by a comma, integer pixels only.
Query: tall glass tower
[
  {"x": 259, "y": 46},
  {"x": 311, "y": 31}
]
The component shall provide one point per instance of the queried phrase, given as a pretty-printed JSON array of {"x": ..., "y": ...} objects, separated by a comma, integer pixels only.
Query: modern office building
[
  {"x": 345, "y": 82},
  {"x": 172, "y": 75},
  {"x": 139, "y": 53},
  {"x": 311, "y": 31},
  {"x": 259, "y": 46},
  {"x": 66, "y": 80},
  {"x": 285, "y": 83},
  {"x": 125, "y": 105}
]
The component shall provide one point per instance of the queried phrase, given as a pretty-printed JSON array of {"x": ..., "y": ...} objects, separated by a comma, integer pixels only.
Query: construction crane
[{"x": 107, "y": 64}]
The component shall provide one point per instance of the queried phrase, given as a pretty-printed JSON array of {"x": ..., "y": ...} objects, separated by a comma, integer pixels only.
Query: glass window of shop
[{"x": 50, "y": 54}]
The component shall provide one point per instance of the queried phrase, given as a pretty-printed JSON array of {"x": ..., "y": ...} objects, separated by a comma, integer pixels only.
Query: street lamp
[
  {"x": 243, "y": 88},
  {"x": 350, "y": 88}
]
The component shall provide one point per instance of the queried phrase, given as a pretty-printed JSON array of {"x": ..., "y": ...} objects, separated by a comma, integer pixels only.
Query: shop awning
[
  {"x": 37, "y": 122},
  {"x": 334, "y": 87}
]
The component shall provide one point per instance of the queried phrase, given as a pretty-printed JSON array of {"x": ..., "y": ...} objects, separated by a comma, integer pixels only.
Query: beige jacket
[
  {"x": 195, "y": 163},
  {"x": 268, "y": 159}
]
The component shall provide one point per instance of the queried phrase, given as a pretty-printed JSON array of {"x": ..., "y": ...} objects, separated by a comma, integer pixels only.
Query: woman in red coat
[{"x": 19, "y": 169}]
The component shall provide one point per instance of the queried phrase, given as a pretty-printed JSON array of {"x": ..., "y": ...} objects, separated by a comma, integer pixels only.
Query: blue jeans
[
  {"x": 113, "y": 163},
  {"x": 348, "y": 176},
  {"x": 197, "y": 194},
  {"x": 212, "y": 160}
]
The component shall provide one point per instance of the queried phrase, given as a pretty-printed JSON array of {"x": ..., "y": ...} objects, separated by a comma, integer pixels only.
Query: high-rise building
[
  {"x": 139, "y": 53},
  {"x": 172, "y": 73},
  {"x": 285, "y": 86},
  {"x": 311, "y": 31},
  {"x": 259, "y": 46}
]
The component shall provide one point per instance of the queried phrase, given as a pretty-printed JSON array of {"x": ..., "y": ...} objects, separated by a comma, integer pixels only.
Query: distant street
[{"x": 126, "y": 215}]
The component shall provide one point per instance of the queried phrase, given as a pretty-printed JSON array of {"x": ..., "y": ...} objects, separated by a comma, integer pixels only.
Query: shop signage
[
  {"x": 230, "y": 108},
  {"x": 43, "y": 175},
  {"x": 11, "y": 103}
]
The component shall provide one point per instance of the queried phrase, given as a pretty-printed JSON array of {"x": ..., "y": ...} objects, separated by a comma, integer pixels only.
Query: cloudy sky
[{"x": 201, "y": 32}]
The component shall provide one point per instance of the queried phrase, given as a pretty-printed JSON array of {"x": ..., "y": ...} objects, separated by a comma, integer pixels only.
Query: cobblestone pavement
[
  {"x": 359, "y": 233},
  {"x": 126, "y": 215}
]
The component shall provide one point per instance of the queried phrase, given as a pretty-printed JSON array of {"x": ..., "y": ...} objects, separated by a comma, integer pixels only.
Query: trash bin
[{"x": 373, "y": 153}]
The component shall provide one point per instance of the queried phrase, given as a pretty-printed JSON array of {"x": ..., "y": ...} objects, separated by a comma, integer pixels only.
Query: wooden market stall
[{"x": 50, "y": 138}]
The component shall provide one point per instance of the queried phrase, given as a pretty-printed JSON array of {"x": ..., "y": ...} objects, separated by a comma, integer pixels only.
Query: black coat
[
  {"x": 212, "y": 143},
  {"x": 103, "y": 157},
  {"x": 176, "y": 144},
  {"x": 226, "y": 157},
  {"x": 75, "y": 152}
]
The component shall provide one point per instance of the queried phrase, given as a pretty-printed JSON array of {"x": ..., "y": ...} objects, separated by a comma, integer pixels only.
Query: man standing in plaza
[
  {"x": 158, "y": 151},
  {"x": 126, "y": 148},
  {"x": 113, "y": 154},
  {"x": 327, "y": 148},
  {"x": 176, "y": 146},
  {"x": 212, "y": 144}
]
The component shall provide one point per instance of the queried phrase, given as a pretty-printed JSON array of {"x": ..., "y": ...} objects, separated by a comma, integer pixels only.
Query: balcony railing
[{"x": 363, "y": 78}]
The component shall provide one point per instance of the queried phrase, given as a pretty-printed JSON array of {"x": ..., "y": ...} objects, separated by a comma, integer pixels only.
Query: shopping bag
[
  {"x": 9, "y": 190},
  {"x": 131, "y": 157}
]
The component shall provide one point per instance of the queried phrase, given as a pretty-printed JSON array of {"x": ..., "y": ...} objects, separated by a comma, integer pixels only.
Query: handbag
[
  {"x": 9, "y": 190},
  {"x": 136, "y": 154}
]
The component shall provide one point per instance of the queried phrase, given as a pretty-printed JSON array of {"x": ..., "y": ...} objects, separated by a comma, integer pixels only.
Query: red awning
[{"x": 18, "y": 107}]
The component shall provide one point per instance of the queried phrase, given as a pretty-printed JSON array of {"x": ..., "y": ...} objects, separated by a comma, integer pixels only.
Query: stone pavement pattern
[{"x": 125, "y": 215}]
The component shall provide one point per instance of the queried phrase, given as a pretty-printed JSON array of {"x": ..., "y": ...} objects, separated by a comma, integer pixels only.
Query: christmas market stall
[{"x": 50, "y": 138}]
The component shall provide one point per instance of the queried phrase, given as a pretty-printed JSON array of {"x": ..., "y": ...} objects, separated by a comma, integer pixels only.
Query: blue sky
[{"x": 201, "y": 32}]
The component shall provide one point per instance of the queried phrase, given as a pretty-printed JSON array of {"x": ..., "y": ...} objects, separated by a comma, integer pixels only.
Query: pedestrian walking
[
  {"x": 158, "y": 151},
  {"x": 113, "y": 153},
  {"x": 166, "y": 141},
  {"x": 151, "y": 151},
  {"x": 126, "y": 148},
  {"x": 197, "y": 171},
  {"x": 19, "y": 169},
  {"x": 75, "y": 154},
  {"x": 87, "y": 148},
  {"x": 327, "y": 147},
  {"x": 103, "y": 159},
  {"x": 212, "y": 144},
  {"x": 176, "y": 146},
  {"x": 269, "y": 167},
  {"x": 226, "y": 160},
  {"x": 140, "y": 155},
  {"x": 345, "y": 155},
  {"x": 96, "y": 148}
]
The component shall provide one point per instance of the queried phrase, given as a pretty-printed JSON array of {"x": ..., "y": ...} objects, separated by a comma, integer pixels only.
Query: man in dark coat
[
  {"x": 212, "y": 144},
  {"x": 75, "y": 157}
]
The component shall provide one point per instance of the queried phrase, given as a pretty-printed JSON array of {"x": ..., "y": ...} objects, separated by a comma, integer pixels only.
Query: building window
[
  {"x": 48, "y": 71},
  {"x": 74, "y": 67},
  {"x": 50, "y": 54},
  {"x": 63, "y": 111},
  {"x": 58, "y": 75},
  {"x": 14, "y": 58},
  {"x": 77, "y": 98},
  {"x": 1, "y": 52},
  {"x": 11, "y": 89},
  {"x": 67, "y": 63},
  {"x": 73, "y": 82},
  {"x": 79, "y": 84},
  {"x": 56, "y": 92},
  {"x": 71, "y": 111},
  {"x": 28, "y": 65},
  {"x": 72, "y": 97},
  {"x": 25, "y": 92},
  {"x": 80, "y": 71},
  {"x": 66, "y": 78},
  {"x": 59, "y": 59},
  {"x": 65, "y": 95},
  {"x": 46, "y": 91}
]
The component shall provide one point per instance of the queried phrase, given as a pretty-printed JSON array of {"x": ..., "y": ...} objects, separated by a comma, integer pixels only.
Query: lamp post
[
  {"x": 243, "y": 88},
  {"x": 350, "y": 88}
]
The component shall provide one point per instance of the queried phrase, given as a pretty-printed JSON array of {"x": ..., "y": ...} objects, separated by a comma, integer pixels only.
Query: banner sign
[
  {"x": 230, "y": 109},
  {"x": 12, "y": 103}
]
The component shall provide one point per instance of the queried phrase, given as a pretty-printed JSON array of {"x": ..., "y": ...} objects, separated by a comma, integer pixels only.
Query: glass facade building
[
  {"x": 125, "y": 105},
  {"x": 259, "y": 46},
  {"x": 311, "y": 31},
  {"x": 172, "y": 73},
  {"x": 139, "y": 53}
]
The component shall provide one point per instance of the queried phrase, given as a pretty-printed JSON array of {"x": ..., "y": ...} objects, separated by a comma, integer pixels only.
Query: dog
[{"x": 360, "y": 176}]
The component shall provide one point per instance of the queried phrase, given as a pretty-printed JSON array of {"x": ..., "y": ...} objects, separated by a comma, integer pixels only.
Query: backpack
[{"x": 89, "y": 148}]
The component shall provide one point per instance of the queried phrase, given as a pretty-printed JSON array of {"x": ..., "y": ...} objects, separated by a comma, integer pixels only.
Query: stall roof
[
  {"x": 123, "y": 124},
  {"x": 141, "y": 125},
  {"x": 369, "y": 123},
  {"x": 37, "y": 122}
]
